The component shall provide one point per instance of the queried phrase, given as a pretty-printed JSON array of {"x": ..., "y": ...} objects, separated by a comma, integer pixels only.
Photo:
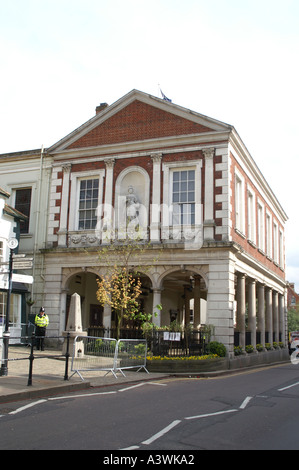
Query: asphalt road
[{"x": 251, "y": 410}]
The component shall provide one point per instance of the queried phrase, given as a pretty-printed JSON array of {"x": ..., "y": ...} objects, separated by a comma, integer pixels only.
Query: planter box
[
  {"x": 257, "y": 359},
  {"x": 187, "y": 366},
  {"x": 218, "y": 364}
]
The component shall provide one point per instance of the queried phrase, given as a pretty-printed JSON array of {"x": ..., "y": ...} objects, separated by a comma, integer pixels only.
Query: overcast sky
[{"x": 232, "y": 60}]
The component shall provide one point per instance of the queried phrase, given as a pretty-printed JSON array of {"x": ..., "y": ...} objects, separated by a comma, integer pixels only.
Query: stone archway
[
  {"x": 84, "y": 283},
  {"x": 183, "y": 297}
]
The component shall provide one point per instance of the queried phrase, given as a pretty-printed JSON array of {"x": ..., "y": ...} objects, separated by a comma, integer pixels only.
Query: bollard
[
  {"x": 67, "y": 355},
  {"x": 31, "y": 359}
]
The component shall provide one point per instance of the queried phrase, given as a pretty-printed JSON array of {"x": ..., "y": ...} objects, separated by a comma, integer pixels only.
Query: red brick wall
[{"x": 138, "y": 121}]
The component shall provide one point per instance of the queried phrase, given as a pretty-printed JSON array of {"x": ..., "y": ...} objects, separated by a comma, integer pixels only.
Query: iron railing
[
  {"x": 31, "y": 341},
  {"x": 161, "y": 342}
]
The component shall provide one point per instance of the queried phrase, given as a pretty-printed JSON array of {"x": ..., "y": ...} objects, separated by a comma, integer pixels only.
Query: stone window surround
[{"x": 74, "y": 195}]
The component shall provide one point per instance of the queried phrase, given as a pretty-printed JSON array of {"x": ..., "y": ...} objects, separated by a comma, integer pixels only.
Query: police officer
[{"x": 41, "y": 322}]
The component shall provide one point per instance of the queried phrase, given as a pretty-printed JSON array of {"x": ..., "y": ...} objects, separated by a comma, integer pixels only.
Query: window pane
[
  {"x": 176, "y": 187},
  {"x": 184, "y": 186},
  {"x": 176, "y": 215},
  {"x": 22, "y": 204},
  {"x": 184, "y": 175},
  {"x": 88, "y": 203},
  {"x": 183, "y": 197},
  {"x": 191, "y": 196}
]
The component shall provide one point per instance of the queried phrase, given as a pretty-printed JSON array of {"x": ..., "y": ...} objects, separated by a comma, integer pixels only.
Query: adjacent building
[
  {"x": 11, "y": 220},
  {"x": 181, "y": 183},
  {"x": 292, "y": 296}
]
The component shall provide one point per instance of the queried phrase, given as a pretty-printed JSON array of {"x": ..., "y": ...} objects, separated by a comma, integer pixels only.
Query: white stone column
[
  {"x": 252, "y": 311},
  {"x": 187, "y": 305},
  {"x": 209, "y": 222},
  {"x": 63, "y": 297},
  {"x": 156, "y": 301},
  {"x": 269, "y": 313},
  {"x": 156, "y": 198},
  {"x": 62, "y": 233},
  {"x": 261, "y": 313},
  {"x": 107, "y": 317},
  {"x": 275, "y": 317},
  {"x": 241, "y": 309},
  {"x": 196, "y": 301},
  {"x": 108, "y": 215},
  {"x": 281, "y": 312}
]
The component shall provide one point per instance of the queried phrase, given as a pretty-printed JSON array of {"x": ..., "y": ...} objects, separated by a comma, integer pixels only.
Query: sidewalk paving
[{"x": 48, "y": 376}]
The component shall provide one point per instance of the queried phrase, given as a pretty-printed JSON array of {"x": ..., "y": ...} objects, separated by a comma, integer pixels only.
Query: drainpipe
[{"x": 37, "y": 215}]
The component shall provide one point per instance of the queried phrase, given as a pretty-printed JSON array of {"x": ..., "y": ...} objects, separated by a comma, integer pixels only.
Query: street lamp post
[{"x": 12, "y": 244}]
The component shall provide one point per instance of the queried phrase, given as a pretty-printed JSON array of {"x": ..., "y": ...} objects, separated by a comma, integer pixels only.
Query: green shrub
[
  {"x": 140, "y": 348},
  {"x": 238, "y": 350},
  {"x": 249, "y": 348},
  {"x": 214, "y": 347}
]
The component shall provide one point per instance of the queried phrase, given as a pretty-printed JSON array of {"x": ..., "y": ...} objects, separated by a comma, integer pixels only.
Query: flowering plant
[{"x": 183, "y": 358}]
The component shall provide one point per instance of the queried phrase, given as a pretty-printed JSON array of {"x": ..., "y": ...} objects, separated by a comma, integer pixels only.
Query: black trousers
[{"x": 40, "y": 332}]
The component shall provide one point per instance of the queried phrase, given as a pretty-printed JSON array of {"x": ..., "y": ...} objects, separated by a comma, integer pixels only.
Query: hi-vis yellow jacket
[{"x": 41, "y": 320}]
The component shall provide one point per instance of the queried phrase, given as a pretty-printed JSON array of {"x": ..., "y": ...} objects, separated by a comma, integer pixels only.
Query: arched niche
[{"x": 132, "y": 200}]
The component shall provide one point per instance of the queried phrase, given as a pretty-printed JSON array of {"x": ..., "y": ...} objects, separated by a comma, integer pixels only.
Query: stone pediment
[{"x": 138, "y": 117}]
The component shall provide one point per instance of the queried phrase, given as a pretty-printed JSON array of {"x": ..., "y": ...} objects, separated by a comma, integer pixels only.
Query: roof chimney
[{"x": 100, "y": 108}]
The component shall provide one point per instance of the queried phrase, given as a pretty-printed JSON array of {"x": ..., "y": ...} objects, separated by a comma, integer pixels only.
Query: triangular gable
[
  {"x": 138, "y": 121},
  {"x": 138, "y": 117}
]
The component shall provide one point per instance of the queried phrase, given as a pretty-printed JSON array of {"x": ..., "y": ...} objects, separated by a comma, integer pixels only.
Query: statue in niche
[{"x": 132, "y": 206}]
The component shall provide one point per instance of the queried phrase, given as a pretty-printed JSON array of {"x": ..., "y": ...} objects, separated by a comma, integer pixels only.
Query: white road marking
[
  {"x": 161, "y": 433},
  {"x": 132, "y": 386},
  {"x": 289, "y": 386},
  {"x": 130, "y": 448},
  {"x": 26, "y": 407},
  {"x": 211, "y": 414},
  {"x": 245, "y": 403},
  {"x": 82, "y": 395}
]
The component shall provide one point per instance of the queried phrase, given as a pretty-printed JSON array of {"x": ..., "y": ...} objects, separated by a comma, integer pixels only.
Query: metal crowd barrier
[
  {"x": 131, "y": 353},
  {"x": 92, "y": 353}
]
